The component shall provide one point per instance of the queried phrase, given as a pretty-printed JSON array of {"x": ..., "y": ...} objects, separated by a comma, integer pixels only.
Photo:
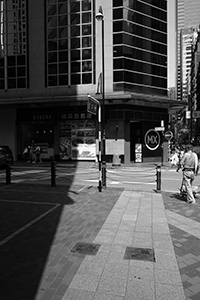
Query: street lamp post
[{"x": 100, "y": 17}]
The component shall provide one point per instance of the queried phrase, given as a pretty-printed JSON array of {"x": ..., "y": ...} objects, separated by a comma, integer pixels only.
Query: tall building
[
  {"x": 187, "y": 16},
  {"x": 186, "y": 39},
  {"x": 51, "y": 58}
]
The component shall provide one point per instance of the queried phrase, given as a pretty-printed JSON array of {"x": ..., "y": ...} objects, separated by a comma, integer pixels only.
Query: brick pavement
[
  {"x": 37, "y": 262},
  {"x": 42, "y": 224},
  {"x": 184, "y": 224}
]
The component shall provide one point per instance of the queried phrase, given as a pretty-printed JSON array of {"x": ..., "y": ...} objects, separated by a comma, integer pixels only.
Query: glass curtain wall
[
  {"x": 13, "y": 39},
  {"x": 140, "y": 46},
  {"x": 69, "y": 42}
]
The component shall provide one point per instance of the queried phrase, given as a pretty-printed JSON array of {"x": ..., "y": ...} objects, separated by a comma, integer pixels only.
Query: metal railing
[{"x": 61, "y": 174}]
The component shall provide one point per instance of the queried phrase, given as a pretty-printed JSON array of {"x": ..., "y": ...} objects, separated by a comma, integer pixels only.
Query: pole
[
  {"x": 103, "y": 113},
  {"x": 53, "y": 173},
  {"x": 8, "y": 173},
  {"x": 99, "y": 138},
  {"x": 100, "y": 163},
  {"x": 158, "y": 179}
]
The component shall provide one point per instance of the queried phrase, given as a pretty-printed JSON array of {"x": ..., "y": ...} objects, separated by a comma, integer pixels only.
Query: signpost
[
  {"x": 168, "y": 135},
  {"x": 161, "y": 128},
  {"x": 92, "y": 106},
  {"x": 196, "y": 114}
]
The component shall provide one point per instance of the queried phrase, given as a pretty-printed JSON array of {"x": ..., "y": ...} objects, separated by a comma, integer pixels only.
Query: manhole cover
[
  {"x": 139, "y": 254},
  {"x": 86, "y": 248}
]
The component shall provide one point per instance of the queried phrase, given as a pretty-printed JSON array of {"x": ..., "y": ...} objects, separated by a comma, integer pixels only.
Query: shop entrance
[
  {"x": 41, "y": 134},
  {"x": 135, "y": 137}
]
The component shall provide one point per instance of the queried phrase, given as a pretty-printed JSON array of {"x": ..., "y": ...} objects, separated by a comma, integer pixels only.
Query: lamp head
[{"x": 99, "y": 16}]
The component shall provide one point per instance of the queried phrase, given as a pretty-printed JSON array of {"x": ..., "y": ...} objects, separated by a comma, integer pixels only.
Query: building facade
[
  {"x": 187, "y": 16},
  {"x": 51, "y": 58}
]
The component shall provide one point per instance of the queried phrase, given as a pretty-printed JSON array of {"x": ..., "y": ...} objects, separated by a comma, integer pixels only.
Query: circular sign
[
  {"x": 168, "y": 135},
  {"x": 152, "y": 139}
]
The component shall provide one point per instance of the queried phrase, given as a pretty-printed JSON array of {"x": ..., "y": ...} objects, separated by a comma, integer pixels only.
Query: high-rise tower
[{"x": 187, "y": 16}]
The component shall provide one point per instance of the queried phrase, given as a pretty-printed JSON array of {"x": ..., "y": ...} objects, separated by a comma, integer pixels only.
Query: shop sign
[
  {"x": 42, "y": 117},
  {"x": 37, "y": 117},
  {"x": 92, "y": 106},
  {"x": 75, "y": 116},
  {"x": 138, "y": 152},
  {"x": 152, "y": 139}
]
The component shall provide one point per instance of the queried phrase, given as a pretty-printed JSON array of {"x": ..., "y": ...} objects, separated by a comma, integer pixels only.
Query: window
[
  {"x": 13, "y": 35},
  {"x": 69, "y": 42}
]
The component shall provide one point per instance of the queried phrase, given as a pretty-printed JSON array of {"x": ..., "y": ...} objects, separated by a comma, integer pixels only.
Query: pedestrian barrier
[
  {"x": 8, "y": 173},
  {"x": 136, "y": 176},
  {"x": 53, "y": 173},
  {"x": 62, "y": 174},
  {"x": 158, "y": 178}
]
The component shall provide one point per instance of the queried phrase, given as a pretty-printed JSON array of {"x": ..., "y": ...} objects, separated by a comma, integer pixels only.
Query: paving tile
[
  {"x": 73, "y": 294},
  {"x": 123, "y": 238},
  {"x": 85, "y": 282},
  {"x": 138, "y": 289},
  {"x": 169, "y": 292},
  {"x": 106, "y": 296},
  {"x": 113, "y": 285},
  {"x": 142, "y": 272},
  {"x": 167, "y": 277},
  {"x": 90, "y": 268},
  {"x": 195, "y": 288}
]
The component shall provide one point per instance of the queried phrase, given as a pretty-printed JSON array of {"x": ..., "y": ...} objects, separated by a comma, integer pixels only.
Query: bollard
[
  {"x": 104, "y": 174},
  {"x": 8, "y": 173},
  {"x": 158, "y": 178},
  {"x": 53, "y": 173}
]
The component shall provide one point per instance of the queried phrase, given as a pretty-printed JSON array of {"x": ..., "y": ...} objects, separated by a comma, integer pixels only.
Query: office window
[
  {"x": 69, "y": 42},
  {"x": 13, "y": 36}
]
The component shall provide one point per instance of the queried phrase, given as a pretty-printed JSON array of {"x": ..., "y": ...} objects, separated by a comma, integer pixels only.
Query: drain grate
[
  {"x": 86, "y": 248},
  {"x": 139, "y": 254}
]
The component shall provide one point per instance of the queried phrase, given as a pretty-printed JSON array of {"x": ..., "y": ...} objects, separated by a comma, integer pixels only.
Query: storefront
[
  {"x": 63, "y": 135},
  {"x": 77, "y": 136},
  {"x": 37, "y": 128}
]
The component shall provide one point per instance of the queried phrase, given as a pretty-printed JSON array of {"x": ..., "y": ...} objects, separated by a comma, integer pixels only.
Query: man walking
[{"x": 189, "y": 163}]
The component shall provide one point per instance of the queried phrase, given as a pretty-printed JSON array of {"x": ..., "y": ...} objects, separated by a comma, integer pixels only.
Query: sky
[{"x": 171, "y": 68}]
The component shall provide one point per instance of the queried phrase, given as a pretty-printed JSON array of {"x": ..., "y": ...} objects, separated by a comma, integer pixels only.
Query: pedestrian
[
  {"x": 25, "y": 154},
  {"x": 32, "y": 153},
  {"x": 189, "y": 164},
  {"x": 38, "y": 154}
]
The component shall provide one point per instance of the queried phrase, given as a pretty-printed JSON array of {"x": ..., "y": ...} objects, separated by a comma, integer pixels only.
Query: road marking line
[
  {"x": 28, "y": 225},
  {"x": 29, "y": 202}
]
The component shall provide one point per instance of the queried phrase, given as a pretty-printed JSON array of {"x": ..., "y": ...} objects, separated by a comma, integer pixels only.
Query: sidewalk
[
  {"x": 160, "y": 232},
  {"x": 137, "y": 220}
]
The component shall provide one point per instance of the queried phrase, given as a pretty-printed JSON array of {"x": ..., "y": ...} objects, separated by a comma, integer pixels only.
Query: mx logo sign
[{"x": 152, "y": 139}]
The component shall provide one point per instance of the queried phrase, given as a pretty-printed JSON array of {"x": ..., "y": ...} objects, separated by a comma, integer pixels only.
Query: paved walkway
[
  {"x": 37, "y": 262},
  {"x": 138, "y": 219}
]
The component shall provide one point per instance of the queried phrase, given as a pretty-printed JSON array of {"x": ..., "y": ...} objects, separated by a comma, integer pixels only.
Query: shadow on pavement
[
  {"x": 39, "y": 224},
  {"x": 29, "y": 218}
]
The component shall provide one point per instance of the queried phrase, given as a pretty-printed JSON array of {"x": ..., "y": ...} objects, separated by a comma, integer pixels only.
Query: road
[{"x": 141, "y": 178}]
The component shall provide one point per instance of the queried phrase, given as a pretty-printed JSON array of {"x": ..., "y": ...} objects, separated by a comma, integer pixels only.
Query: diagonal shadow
[{"x": 36, "y": 262}]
